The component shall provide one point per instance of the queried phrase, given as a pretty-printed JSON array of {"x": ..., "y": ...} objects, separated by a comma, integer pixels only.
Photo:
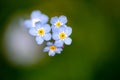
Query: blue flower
[
  {"x": 62, "y": 36},
  {"x": 36, "y": 16},
  {"x": 58, "y": 22},
  {"x": 42, "y": 32},
  {"x": 52, "y": 49}
]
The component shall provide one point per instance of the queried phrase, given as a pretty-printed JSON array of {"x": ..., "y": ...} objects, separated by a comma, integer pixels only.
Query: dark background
[{"x": 94, "y": 53}]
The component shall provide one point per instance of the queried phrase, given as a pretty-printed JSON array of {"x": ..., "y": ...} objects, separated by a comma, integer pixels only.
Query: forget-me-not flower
[
  {"x": 52, "y": 49},
  {"x": 58, "y": 22},
  {"x": 58, "y": 32},
  {"x": 36, "y": 16},
  {"x": 42, "y": 32},
  {"x": 62, "y": 36}
]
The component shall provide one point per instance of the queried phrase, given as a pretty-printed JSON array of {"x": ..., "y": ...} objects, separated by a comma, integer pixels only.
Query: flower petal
[
  {"x": 43, "y": 18},
  {"x": 54, "y": 20},
  {"x": 35, "y": 14},
  {"x": 58, "y": 43},
  {"x": 68, "y": 41},
  {"x": 47, "y": 28},
  {"x": 39, "y": 40},
  {"x": 46, "y": 49},
  {"x": 62, "y": 29},
  {"x": 51, "y": 53},
  {"x": 47, "y": 36},
  {"x": 33, "y": 32},
  {"x": 28, "y": 23},
  {"x": 49, "y": 43},
  {"x": 68, "y": 31},
  {"x": 38, "y": 25},
  {"x": 58, "y": 50},
  {"x": 54, "y": 29},
  {"x": 55, "y": 36},
  {"x": 63, "y": 19}
]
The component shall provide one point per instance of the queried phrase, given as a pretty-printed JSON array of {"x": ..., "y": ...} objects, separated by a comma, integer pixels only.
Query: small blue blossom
[
  {"x": 52, "y": 49},
  {"x": 58, "y": 22},
  {"x": 62, "y": 36},
  {"x": 42, "y": 32},
  {"x": 59, "y": 32},
  {"x": 36, "y": 16}
]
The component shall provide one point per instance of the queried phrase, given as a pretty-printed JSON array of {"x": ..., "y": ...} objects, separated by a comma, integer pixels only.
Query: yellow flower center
[
  {"x": 41, "y": 32},
  {"x": 62, "y": 35},
  {"x": 34, "y": 21},
  {"x": 53, "y": 48},
  {"x": 58, "y": 24}
]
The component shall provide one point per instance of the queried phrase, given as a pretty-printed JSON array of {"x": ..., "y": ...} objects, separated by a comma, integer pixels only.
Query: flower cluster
[{"x": 58, "y": 32}]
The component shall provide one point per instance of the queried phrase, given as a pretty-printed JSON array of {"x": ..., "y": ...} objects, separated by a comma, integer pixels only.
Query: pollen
[
  {"x": 53, "y": 48},
  {"x": 62, "y": 35},
  {"x": 58, "y": 24},
  {"x": 41, "y": 32}
]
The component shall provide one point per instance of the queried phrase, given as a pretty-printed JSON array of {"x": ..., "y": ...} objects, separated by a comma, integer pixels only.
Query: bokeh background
[{"x": 93, "y": 55}]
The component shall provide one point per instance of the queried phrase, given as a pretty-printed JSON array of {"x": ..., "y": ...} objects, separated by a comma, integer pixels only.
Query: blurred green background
[{"x": 94, "y": 53}]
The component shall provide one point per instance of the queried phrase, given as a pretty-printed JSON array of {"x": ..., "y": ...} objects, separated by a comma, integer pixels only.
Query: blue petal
[
  {"x": 35, "y": 14},
  {"x": 58, "y": 43},
  {"x": 54, "y": 29},
  {"x": 68, "y": 41},
  {"x": 47, "y": 36},
  {"x": 49, "y": 43},
  {"x": 54, "y": 20},
  {"x": 63, "y": 19},
  {"x": 47, "y": 28},
  {"x": 62, "y": 29},
  {"x": 38, "y": 24},
  {"x": 51, "y": 53},
  {"x": 55, "y": 36},
  {"x": 43, "y": 18},
  {"x": 58, "y": 29},
  {"x": 28, "y": 23},
  {"x": 58, "y": 50},
  {"x": 46, "y": 49},
  {"x": 68, "y": 31},
  {"x": 33, "y": 32},
  {"x": 39, "y": 40}
]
